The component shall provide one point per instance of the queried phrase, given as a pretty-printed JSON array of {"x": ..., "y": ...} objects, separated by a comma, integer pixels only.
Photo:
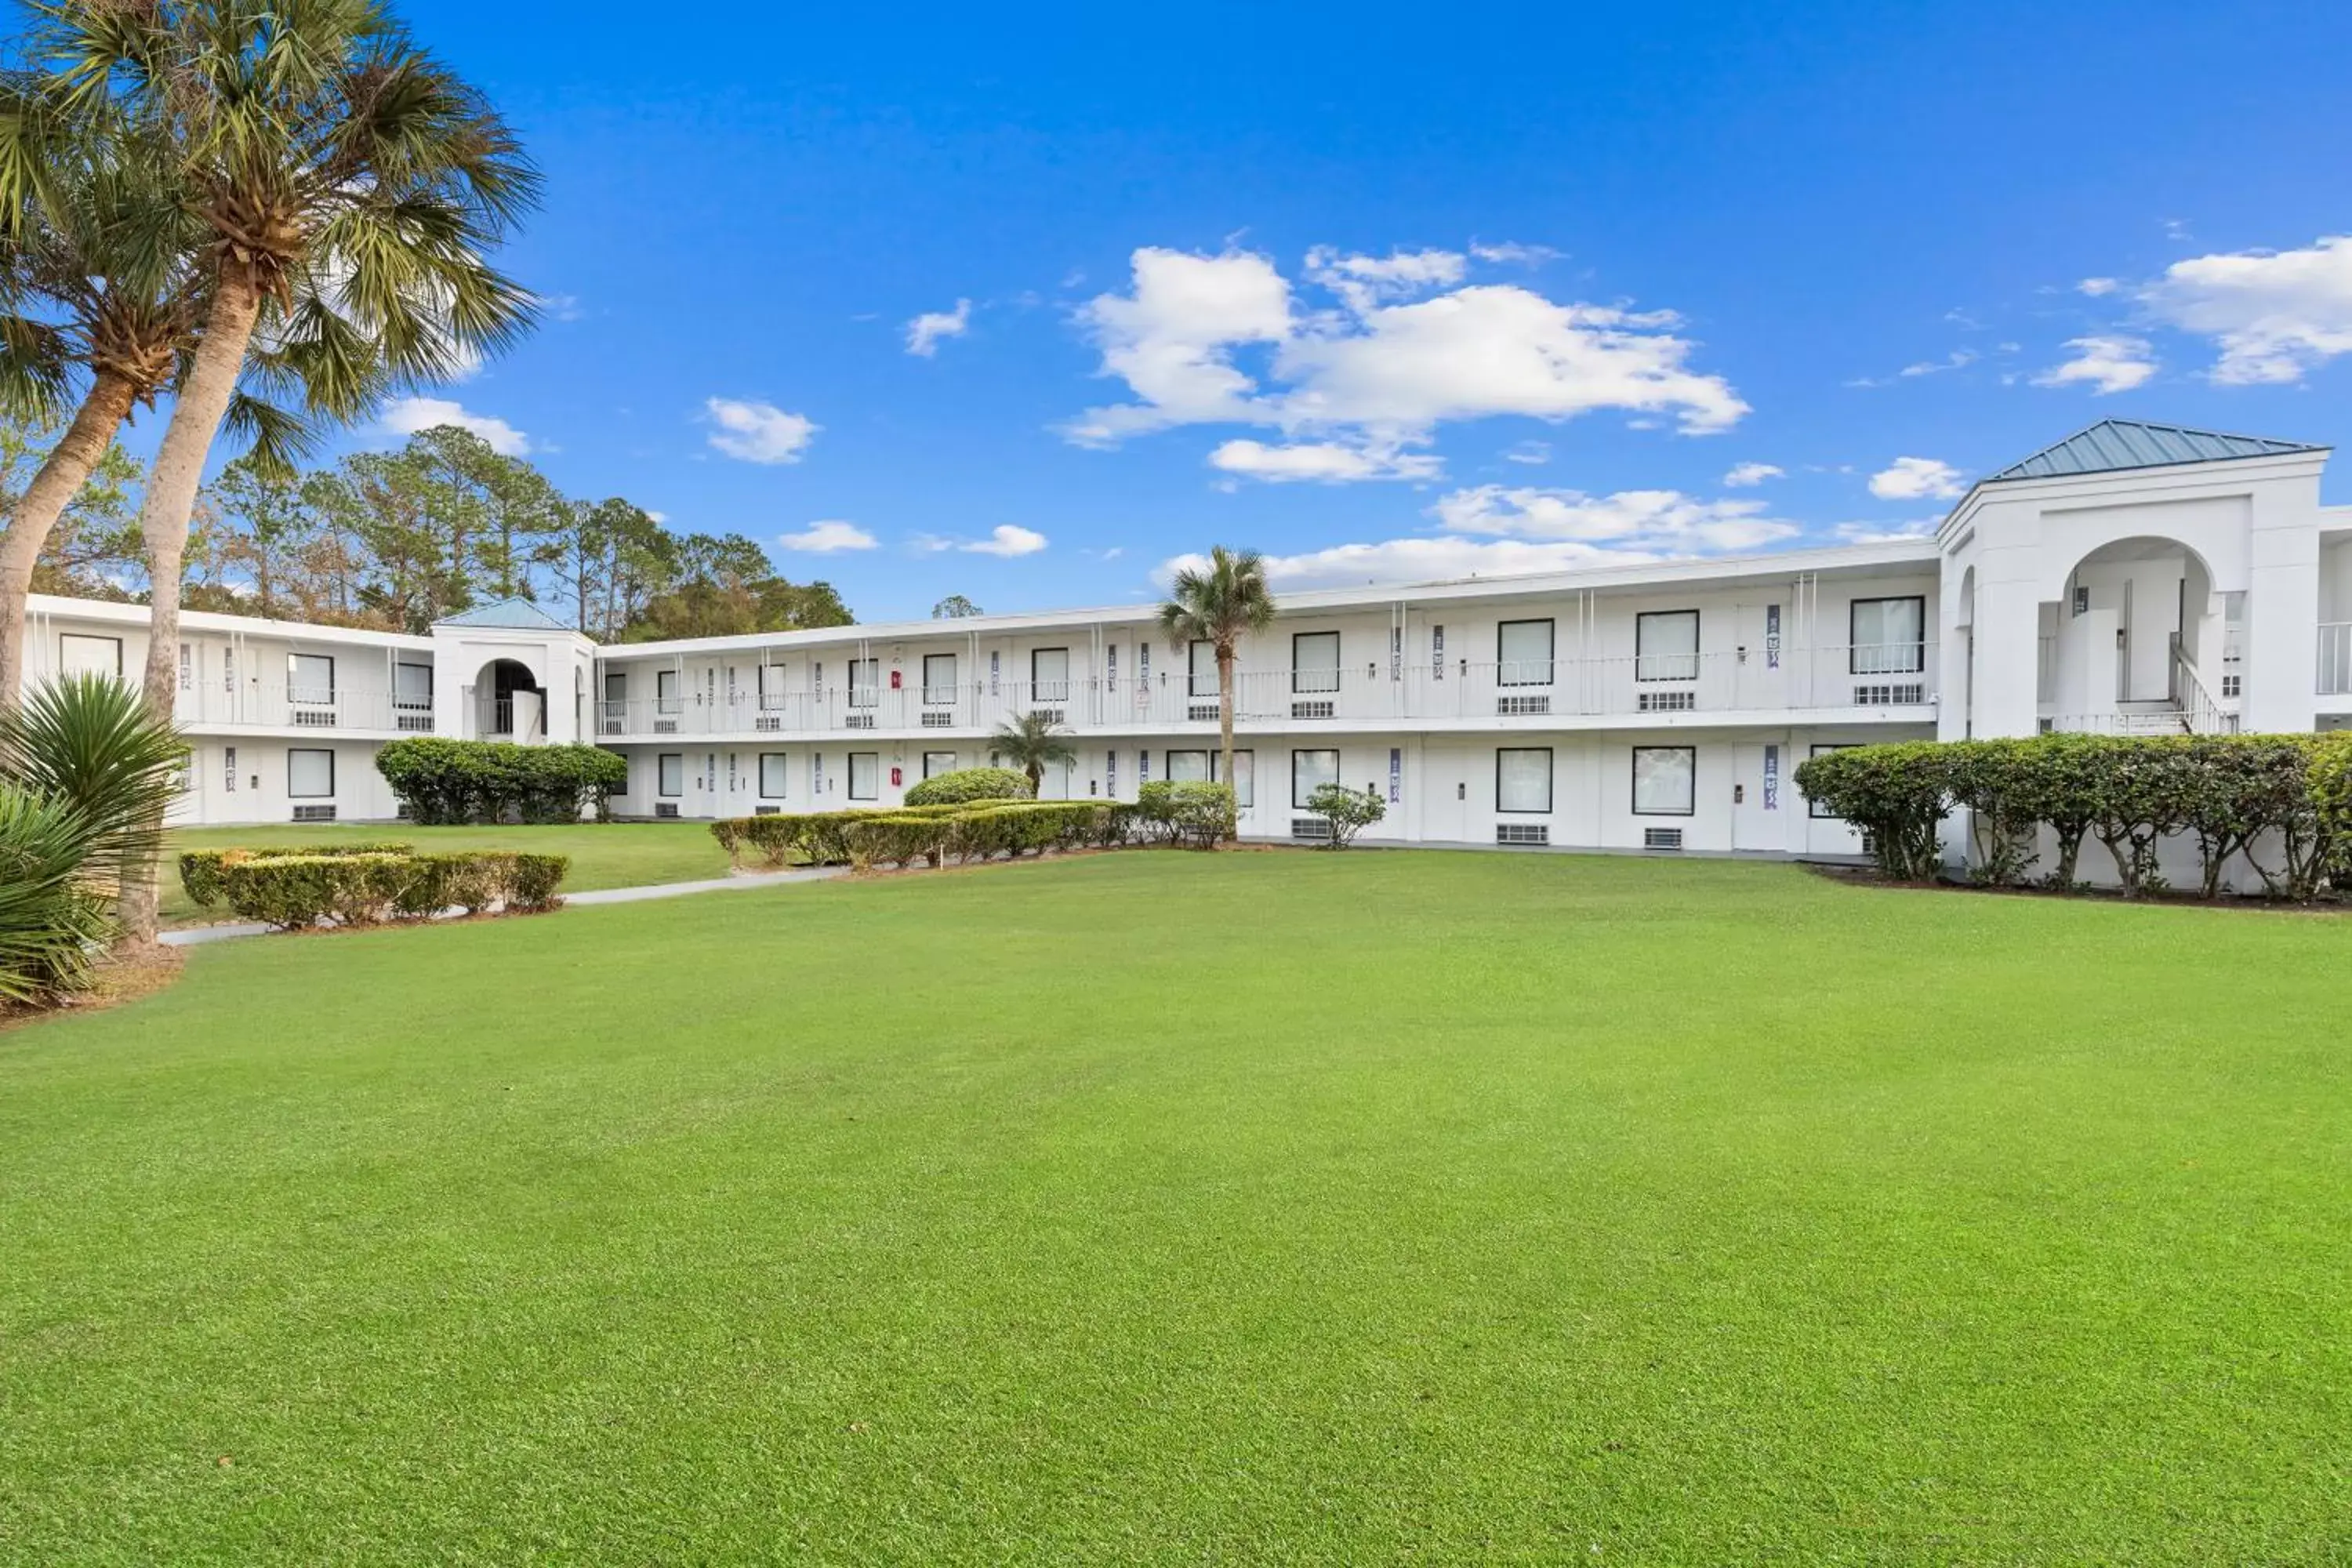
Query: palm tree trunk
[
  {"x": 61, "y": 476},
  {"x": 1225, "y": 715},
  {"x": 203, "y": 401}
]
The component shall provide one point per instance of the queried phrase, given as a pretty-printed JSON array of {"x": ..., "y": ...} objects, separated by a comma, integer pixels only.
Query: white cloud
[
  {"x": 924, "y": 333},
  {"x": 1328, "y": 462},
  {"x": 826, "y": 537},
  {"x": 1744, "y": 476},
  {"x": 758, "y": 432},
  {"x": 1958, "y": 359},
  {"x": 2097, "y": 287},
  {"x": 2276, "y": 314},
  {"x": 1917, "y": 478},
  {"x": 2107, "y": 363},
  {"x": 1406, "y": 347},
  {"x": 1007, "y": 540},
  {"x": 1529, "y": 452},
  {"x": 408, "y": 416},
  {"x": 1507, "y": 250}
]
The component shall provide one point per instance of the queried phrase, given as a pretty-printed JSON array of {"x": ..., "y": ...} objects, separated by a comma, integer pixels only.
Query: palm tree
[
  {"x": 350, "y": 186},
  {"x": 1031, "y": 743},
  {"x": 96, "y": 284},
  {"x": 89, "y": 742},
  {"x": 1219, "y": 603}
]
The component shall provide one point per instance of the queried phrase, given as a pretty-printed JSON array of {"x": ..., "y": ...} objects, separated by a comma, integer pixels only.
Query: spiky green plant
[
  {"x": 87, "y": 743},
  {"x": 53, "y": 923},
  {"x": 1033, "y": 742}
]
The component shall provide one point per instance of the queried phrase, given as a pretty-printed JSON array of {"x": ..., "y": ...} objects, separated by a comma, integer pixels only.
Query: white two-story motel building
[{"x": 2132, "y": 577}]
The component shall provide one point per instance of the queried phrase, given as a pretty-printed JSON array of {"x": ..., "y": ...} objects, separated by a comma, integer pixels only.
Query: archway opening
[
  {"x": 2139, "y": 631},
  {"x": 509, "y": 703}
]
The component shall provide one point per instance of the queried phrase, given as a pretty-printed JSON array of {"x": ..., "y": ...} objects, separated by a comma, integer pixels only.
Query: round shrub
[{"x": 969, "y": 784}]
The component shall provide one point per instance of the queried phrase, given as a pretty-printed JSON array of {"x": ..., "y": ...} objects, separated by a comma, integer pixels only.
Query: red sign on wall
[{"x": 897, "y": 777}]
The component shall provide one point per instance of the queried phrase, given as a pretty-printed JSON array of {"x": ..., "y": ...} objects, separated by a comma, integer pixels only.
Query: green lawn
[
  {"x": 603, "y": 854},
  {"x": 1155, "y": 1207}
]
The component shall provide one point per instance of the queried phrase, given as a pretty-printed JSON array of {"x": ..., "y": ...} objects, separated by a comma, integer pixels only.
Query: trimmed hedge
[
  {"x": 201, "y": 870},
  {"x": 362, "y": 885},
  {"x": 868, "y": 837},
  {"x": 965, "y": 785},
  {"x": 2280, "y": 803},
  {"x": 446, "y": 783}
]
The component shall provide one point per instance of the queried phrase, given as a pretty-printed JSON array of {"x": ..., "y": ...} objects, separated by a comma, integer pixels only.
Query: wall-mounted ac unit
[
  {"x": 314, "y": 813},
  {"x": 943, "y": 719},
  {"x": 1522, "y": 833},
  {"x": 1889, "y": 696},
  {"x": 1201, "y": 711},
  {"x": 1668, "y": 701},
  {"x": 858, "y": 722},
  {"x": 767, "y": 811},
  {"x": 1662, "y": 838},
  {"x": 1523, "y": 706},
  {"x": 665, "y": 726},
  {"x": 1315, "y": 708},
  {"x": 665, "y": 808},
  {"x": 767, "y": 723},
  {"x": 314, "y": 718},
  {"x": 1310, "y": 827},
  {"x": 1049, "y": 715}
]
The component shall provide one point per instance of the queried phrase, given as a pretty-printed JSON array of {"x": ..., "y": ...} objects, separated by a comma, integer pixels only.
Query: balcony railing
[
  {"x": 1882, "y": 676},
  {"x": 2336, "y": 659}
]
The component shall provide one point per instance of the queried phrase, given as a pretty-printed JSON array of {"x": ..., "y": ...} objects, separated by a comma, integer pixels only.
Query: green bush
[
  {"x": 902, "y": 838},
  {"x": 1349, "y": 810},
  {"x": 1192, "y": 812},
  {"x": 967, "y": 785},
  {"x": 370, "y": 887},
  {"x": 200, "y": 870},
  {"x": 1897, "y": 794},
  {"x": 445, "y": 782}
]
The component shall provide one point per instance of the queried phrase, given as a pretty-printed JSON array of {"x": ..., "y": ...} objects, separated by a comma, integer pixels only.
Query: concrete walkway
[{"x": 196, "y": 936}]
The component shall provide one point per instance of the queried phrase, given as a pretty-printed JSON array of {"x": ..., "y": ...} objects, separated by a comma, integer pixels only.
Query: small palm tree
[
  {"x": 1219, "y": 603},
  {"x": 89, "y": 744},
  {"x": 1032, "y": 744}
]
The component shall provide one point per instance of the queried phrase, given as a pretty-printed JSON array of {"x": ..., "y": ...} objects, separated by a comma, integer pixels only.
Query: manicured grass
[
  {"x": 603, "y": 854},
  {"x": 1158, "y": 1207}
]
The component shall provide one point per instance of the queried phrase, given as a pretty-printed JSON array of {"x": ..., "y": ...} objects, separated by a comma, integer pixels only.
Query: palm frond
[
  {"x": 53, "y": 922},
  {"x": 88, "y": 742}
]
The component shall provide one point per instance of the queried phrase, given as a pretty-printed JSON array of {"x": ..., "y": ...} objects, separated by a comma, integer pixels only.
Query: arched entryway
[
  {"x": 2139, "y": 640},
  {"x": 508, "y": 704}
]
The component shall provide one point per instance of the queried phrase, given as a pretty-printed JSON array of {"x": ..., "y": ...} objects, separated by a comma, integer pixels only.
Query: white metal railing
[
  {"x": 2336, "y": 658},
  {"x": 2200, "y": 714}
]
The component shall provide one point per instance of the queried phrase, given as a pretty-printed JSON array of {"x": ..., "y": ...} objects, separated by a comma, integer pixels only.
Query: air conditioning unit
[
  {"x": 941, "y": 720},
  {"x": 858, "y": 722},
  {"x": 1662, "y": 838},
  {"x": 416, "y": 723},
  {"x": 1522, "y": 833},
  {"x": 767, "y": 811},
  {"x": 1523, "y": 707},
  {"x": 314, "y": 813},
  {"x": 767, "y": 723},
  {"x": 1668, "y": 701},
  {"x": 1200, "y": 711},
  {"x": 1310, "y": 827},
  {"x": 1889, "y": 696},
  {"x": 1322, "y": 707},
  {"x": 1049, "y": 715},
  {"x": 665, "y": 808},
  {"x": 665, "y": 726},
  {"x": 314, "y": 718}
]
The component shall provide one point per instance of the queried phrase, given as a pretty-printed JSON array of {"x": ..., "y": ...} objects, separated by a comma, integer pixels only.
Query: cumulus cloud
[
  {"x": 409, "y": 415},
  {"x": 1917, "y": 478},
  {"x": 1744, "y": 476},
  {"x": 1327, "y": 462},
  {"x": 1510, "y": 251},
  {"x": 758, "y": 432},
  {"x": 1532, "y": 453},
  {"x": 826, "y": 537},
  {"x": 1406, "y": 345},
  {"x": 2105, "y": 363},
  {"x": 2097, "y": 287},
  {"x": 2275, "y": 314},
  {"x": 925, "y": 330},
  {"x": 1007, "y": 540},
  {"x": 1495, "y": 530}
]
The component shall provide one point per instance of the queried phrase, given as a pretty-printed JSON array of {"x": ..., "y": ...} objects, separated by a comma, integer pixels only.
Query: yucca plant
[
  {"x": 53, "y": 923},
  {"x": 87, "y": 743}
]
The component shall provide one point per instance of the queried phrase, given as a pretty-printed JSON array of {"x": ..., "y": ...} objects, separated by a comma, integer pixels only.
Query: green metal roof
[
  {"x": 514, "y": 615},
  {"x": 2115, "y": 443}
]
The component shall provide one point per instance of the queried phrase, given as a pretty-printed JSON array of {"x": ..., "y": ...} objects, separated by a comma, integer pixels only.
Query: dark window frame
[
  {"x": 1698, "y": 631},
  {"x": 661, "y": 787},
  {"x": 849, "y": 782},
  {"x": 1853, "y": 644},
  {"x": 65, "y": 638},
  {"x": 1297, "y": 753},
  {"x": 1634, "y": 781},
  {"x": 950, "y": 756},
  {"x": 1339, "y": 655},
  {"x": 949, "y": 689},
  {"x": 783, "y": 768},
  {"x": 1192, "y": 677},
  {"x": 326, "y": 751},
  {"x": 1551, "y": 651},
  {"x": 1551, "y": 782}
]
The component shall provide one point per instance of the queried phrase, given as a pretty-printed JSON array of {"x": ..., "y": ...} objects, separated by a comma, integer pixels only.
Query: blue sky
[{"x": 1474, "y": 289}]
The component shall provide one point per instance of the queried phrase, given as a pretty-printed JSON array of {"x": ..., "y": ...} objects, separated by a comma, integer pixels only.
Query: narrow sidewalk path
[{"x": 196, "y": 936}]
